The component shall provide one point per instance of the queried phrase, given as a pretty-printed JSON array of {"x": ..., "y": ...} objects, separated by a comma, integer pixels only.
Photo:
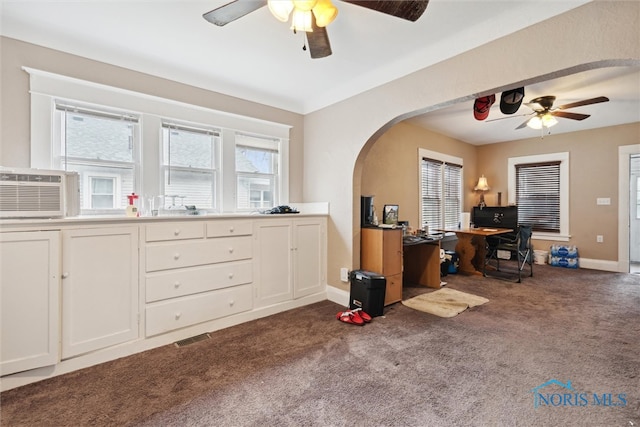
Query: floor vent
[{"x": 191, "y": 340}]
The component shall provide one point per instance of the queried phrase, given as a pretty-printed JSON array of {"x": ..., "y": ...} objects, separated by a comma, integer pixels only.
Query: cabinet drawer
[
  {"x": 181, "y": 312},
  {"x": 393, "y": 292},
  {"x": 194, "y": 280},
  {"x": 225, "y": 228},
  {"x": 175, "y": 231},
  {"x": 162, "y": 256}
]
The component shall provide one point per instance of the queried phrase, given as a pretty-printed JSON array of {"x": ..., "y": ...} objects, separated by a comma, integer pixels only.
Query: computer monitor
[{"x": 495, "y": 216}]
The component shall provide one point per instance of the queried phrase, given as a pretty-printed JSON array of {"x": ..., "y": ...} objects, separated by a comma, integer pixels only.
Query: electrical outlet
[
  {"x": 599, "y": 238},
  {"x": 344, "y": 274}
]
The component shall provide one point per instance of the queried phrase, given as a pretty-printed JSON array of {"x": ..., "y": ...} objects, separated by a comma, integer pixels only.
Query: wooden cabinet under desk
[{"x": 381, "y": 252}]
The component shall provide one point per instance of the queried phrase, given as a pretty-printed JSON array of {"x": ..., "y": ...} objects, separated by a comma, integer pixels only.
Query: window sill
[{"x": 550, "y": 236}]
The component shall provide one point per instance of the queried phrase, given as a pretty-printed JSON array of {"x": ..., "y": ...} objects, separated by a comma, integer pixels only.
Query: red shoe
[
  {"x": 350, "y": 317},
  {"x": 360, "y": 312}
]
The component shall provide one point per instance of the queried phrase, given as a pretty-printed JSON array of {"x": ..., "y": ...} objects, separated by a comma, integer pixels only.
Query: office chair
[{"x": 518, "y": 243}]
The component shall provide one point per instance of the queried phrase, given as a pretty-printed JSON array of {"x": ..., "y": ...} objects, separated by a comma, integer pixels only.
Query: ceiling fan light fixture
[
  {"x": 302, "y": 20},
  {"x": 535, "y": 122},
  {"x": 542, "y": 120},
  {"x": 280, "y": 9},
  {"x": 548, "y": 120},
  {"x": 325, "y": 12}
]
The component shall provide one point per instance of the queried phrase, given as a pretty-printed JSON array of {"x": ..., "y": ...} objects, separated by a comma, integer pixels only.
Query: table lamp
[{"x": 482, "y": 187}]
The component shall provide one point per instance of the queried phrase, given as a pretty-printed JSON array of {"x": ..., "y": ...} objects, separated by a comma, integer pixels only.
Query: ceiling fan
[
  {"x": 545, "y": 114},
  {"x": 312, "y": 16}
]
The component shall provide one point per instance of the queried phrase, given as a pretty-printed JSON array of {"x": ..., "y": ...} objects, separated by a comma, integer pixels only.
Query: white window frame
[
  {"x": 563, "y": 158},
  {"x": 117, "y": 191},
  {"x": 46, "y": 87},
  {"x": 267, "y": 144},
  {"x": 445, "y": 158}
]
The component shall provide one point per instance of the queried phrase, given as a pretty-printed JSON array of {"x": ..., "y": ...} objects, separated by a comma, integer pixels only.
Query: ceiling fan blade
[
  {"x": 523, "y": 125},
  {"x": 507, "y": 117},
  {"x": 232, "y": 11},
  {"x": 568, "y": 115},
  {"x": 409, "y": 10},
  {"x": 318, "y": 39},
  {"x": 584, "y": 102},
  {"x": 534, "y": 106}
]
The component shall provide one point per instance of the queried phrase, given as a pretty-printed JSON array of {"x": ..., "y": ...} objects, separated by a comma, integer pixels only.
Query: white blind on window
[
  {"x": 431, "y": 176},
  {"x": 441, "y": 194},
  {"x": 452, "y": 194},
  {"x": 538, "y": 195}
]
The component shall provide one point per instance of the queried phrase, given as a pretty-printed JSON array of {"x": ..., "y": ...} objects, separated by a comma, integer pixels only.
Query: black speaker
[{"x": 366, "y": 210}]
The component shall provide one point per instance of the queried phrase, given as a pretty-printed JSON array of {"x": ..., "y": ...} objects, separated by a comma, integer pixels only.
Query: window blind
[
  {"x": 441, "y": 188},
  {"x": 538, "y": 195}
]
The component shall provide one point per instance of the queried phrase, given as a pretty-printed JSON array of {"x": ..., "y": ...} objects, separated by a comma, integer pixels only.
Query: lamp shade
[
  {"x": 325, "y": 12},
  {"x": 302, "y": 20},
  {"x": 281, "y": 9},
  {"x": 482, "y": 184}
]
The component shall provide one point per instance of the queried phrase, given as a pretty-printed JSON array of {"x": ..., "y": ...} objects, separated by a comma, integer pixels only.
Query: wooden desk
[
  {"x": 422, "y": 263},
  {"x": 471, "y": 246}
]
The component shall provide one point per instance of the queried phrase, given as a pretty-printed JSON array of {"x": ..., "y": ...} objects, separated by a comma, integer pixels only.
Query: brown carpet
[{"x": 407, "y": 368}]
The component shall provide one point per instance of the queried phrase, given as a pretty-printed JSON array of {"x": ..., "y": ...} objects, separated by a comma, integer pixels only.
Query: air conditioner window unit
[{"x": 38, "y": 193}]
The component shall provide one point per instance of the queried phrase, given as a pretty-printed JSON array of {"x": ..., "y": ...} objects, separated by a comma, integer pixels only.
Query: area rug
[{"x": 444, "y": 302}]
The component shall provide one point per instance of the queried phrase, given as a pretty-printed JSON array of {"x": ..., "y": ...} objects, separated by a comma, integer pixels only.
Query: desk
[
  {"x": 471, "y": 244},
  {"x": 421, "y": 261}
]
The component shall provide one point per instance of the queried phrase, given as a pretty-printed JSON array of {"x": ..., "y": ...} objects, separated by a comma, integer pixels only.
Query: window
[
  {"x": 440, "y": 190},
  {"x": 189, "y": 166},
  {"x": 538, "y": 195},
  {"x": 88, "y": 127},
  {"x": 102, "y": 192},
  {"x": 101, "y": 146},
  {"x": 256, "y": 172},
  {"x": 539, "y": 186}
]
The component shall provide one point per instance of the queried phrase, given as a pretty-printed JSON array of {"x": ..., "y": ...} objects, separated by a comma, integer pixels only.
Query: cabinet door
[
  {"x": 392, "y": 252},
  {"x": 29, "y": 279},
  {"x": 99, "y": 288},
  {"x": 272, "y": 262},
  {"x": 308, "y": 256}
]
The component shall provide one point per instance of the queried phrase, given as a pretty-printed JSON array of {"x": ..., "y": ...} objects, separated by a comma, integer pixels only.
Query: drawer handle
[
  {"x": 178, "y": 314},
  {"x": 230, "y": 275},
  {"x": 176, "y": 256},
  {"x": 65, "y": 275},
  {"x": 231, "y": 230},
  {"x": 231, "y": 302},
  {"x": 230, "y": 250},
  {"x": 176, "y": 285},
  {"x": 176, "y": 232}
]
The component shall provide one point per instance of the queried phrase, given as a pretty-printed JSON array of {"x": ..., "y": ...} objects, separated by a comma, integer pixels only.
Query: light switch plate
[{"x": 603, "y": 201}]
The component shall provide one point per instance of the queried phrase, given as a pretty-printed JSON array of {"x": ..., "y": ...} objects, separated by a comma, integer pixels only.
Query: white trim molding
[{"x": 624, "y": 156}]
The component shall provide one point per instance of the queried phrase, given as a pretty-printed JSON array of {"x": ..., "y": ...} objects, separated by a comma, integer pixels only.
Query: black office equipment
[{"x": 496, "y": 217}]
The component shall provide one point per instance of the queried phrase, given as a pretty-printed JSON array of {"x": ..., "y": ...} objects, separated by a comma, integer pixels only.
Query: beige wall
[
  {"x": 15, "y": 100},
  {"x": 390, "y": 172},
  {"x": 593, "y": 173},
  {"x": 338, "y": 138},
  {"x": 391, "y": 168}
]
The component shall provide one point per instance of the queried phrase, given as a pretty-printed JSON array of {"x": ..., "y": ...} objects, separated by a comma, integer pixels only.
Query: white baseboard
[
  {"x": 599, "y": 264},
  {"x": 338, "y": 296}
]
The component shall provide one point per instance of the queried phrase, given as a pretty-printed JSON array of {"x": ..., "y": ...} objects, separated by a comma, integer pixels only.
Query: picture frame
[{"x": 390, "y": 214}]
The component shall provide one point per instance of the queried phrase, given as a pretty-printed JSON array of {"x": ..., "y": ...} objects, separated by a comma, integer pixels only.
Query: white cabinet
[
  {"x": 29, "y": 299},
  {"x": 99, "y": 288},
  {"x": 196, "y": 273},
  {"x": 289, "y": 259}
]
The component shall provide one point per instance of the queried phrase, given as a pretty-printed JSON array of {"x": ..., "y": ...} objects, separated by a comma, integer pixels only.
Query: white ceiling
[{"x": 259, "y": 59}]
